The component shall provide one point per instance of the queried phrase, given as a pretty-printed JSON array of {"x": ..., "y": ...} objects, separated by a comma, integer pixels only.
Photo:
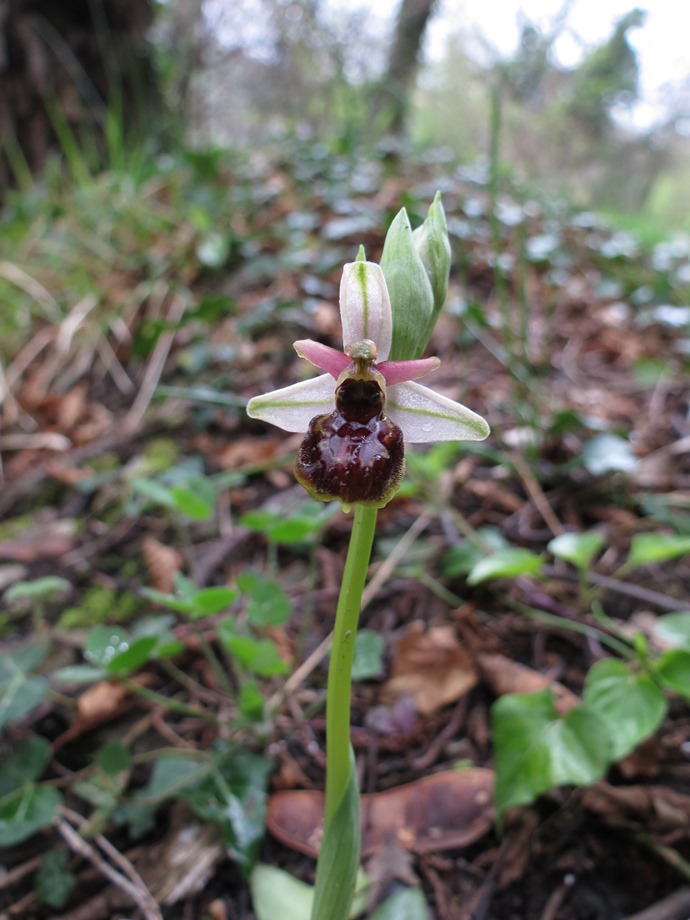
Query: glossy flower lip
[{"x": 365, "y": 311}]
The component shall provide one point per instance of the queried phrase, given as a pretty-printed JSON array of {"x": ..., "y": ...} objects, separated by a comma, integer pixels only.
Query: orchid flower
[{"x": 357, "y": 414}]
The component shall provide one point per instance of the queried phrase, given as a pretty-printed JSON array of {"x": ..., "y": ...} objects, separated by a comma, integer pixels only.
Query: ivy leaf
[
  {"x": 648, "y": 548},
  {"x": 630, "y": 704},
  {"x": 24, "y": 763},
  {"x": 506, "y": 563},
  {"x": 577, "y": 548},
  {"x": 25, "y": 811},
  {"x": 673, "y": 669},
  {"x": 536, "y": 749},
  {"x": 674, "y": 628},
  {"x": 20, "y": 691},
  {"x": 267, "y": 603}
]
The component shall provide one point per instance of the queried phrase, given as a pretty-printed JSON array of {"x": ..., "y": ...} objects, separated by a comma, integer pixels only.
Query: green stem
[{"x": 342, "y": 654}]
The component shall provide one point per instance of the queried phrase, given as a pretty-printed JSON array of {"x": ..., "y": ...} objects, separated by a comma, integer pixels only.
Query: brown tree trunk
[
  {"x": 392, "y": 97},
  {"x": 67, "y": 59}
]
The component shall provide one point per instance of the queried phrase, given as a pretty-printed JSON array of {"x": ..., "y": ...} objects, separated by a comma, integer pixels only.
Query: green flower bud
[
  {"x": 410, "y": 290},
  {"x": 432, "y": 244}
]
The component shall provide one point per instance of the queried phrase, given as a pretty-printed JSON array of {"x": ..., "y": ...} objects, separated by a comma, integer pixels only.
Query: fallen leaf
[
  {"x": 185, "y": 859},
  {"x": 49, "y": 541},
  {"x": 431, "y": 667},
  {"x": 443, "y": 811},
  {"x": 100, "y": 701},
  {"x": 651, "y": 809},
  {"x": 162, "y": 563},
  {"x": 506, "y": 676}
]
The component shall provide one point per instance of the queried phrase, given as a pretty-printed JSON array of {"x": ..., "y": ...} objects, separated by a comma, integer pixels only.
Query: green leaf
[
  {"x": 536, "y": 750},
  {"x": 674, "y": 628},
  {"x": 138, "y": 652},
  {"x": 368, "y": 656},
  {"x": 630, "y": 704},
  {"x": 107, "y": 779},
  {"x": 78, "y": 674},
  {"x": 19, "y": 693},
  {"x": 39, "y": 588},
  {"x": 251, "y": 701},
  {"x": 506, "y": 563},
  {"x": 405, "y": 905},
  {"x": 24, "y": 763},
  {"x": 25, "y": 811},
  {"x": 294, "y": 530},
  {"x": 258, "y": 655},
  {"x": 171, "y": 776},
  {"x": 196, "y": 498},
  {"x": 154, "y": 491},
  {"x": 673, "y": 669},
  {"x": 267, "y": 603},
  {"x": 577, "y": 548},
  {"x": 103, "y": 643},
  {"x": 112, "y": 648},
  {"x": 648, "y": 548},
  {"x": 276, "y": 893},
  {"x": 234, "y": 795},
  {"x": 54, "y": 882},
  {"x": 608, "y": 453},
  {"x": 159, "y": 626},
  {"x": 336, "y": 870},
  {"x": 22, "y": 660},
  {"x": 212, "y": 600}
]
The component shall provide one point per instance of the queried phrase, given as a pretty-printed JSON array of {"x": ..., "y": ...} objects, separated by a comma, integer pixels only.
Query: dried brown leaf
[
  {"x": 161, "y": 562},
  {"x": 431, "y": 667},
  {"x": 438, "y": 812}
]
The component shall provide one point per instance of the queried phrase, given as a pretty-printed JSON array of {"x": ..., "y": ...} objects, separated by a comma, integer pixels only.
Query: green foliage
[
  {"x": 505, "y": 563},
  {"x": 26, "y": 806},
  {"x": 227, "y": 787},
  {"x": 20, "y": 690},
  {"x": 54, "y": 882},
  {"x": 368, "y": 660},
  {"x": 536, "y": 749},
  {"x": 577, "y": 548}
]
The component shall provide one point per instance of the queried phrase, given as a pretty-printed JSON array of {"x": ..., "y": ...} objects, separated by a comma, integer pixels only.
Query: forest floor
[{"x": 140, "y": 318}]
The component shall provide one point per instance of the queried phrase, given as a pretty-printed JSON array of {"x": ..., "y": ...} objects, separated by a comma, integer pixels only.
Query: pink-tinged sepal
[
  {"x": 322, "y": 356},
  {"x": 401, "y": 371}
]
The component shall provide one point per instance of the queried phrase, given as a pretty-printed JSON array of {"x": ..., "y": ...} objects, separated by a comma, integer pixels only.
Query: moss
[
  {"x": 161, "y": 454},
  {"x": 99, "y": 605}
]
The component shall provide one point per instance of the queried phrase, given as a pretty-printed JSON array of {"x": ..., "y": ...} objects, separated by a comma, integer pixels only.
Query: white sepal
[
  {"x": 292, "y": 408},
  {"x": 426, "y": 416}
]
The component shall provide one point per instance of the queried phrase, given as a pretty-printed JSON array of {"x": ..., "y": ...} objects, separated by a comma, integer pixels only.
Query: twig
[
  {"x": 646, "y": 595},
  {"x": 155, "y": 366},
  {"x": 675, "y": 907},
  {"x": 536, "y": 493},
  {"x": 131, "y": 882}
]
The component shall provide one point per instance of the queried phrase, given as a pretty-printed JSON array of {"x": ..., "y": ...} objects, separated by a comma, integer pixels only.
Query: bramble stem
[{"x": 342, "y": 654}]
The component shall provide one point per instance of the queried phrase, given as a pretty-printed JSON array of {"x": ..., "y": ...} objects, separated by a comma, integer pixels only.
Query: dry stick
[
  {"x": 645, "y": 595},
  {"x": 675, "y": 907},
  {"x": 155, "y": 366},
  {"x": 320, "y": 652},
  {"x": 536, "y": 493},
  {"x": 134, "y": 885}
]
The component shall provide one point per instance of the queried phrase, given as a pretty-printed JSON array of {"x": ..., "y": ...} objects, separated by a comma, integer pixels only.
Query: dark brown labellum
[{"x": 355, "y": 454}]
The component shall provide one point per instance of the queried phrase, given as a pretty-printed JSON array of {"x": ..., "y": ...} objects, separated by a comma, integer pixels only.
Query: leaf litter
[{"x": 589, "y": 386}]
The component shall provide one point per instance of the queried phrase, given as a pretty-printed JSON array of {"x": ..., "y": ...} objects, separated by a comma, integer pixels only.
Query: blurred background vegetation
[{"x": 104, "y": 81}]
